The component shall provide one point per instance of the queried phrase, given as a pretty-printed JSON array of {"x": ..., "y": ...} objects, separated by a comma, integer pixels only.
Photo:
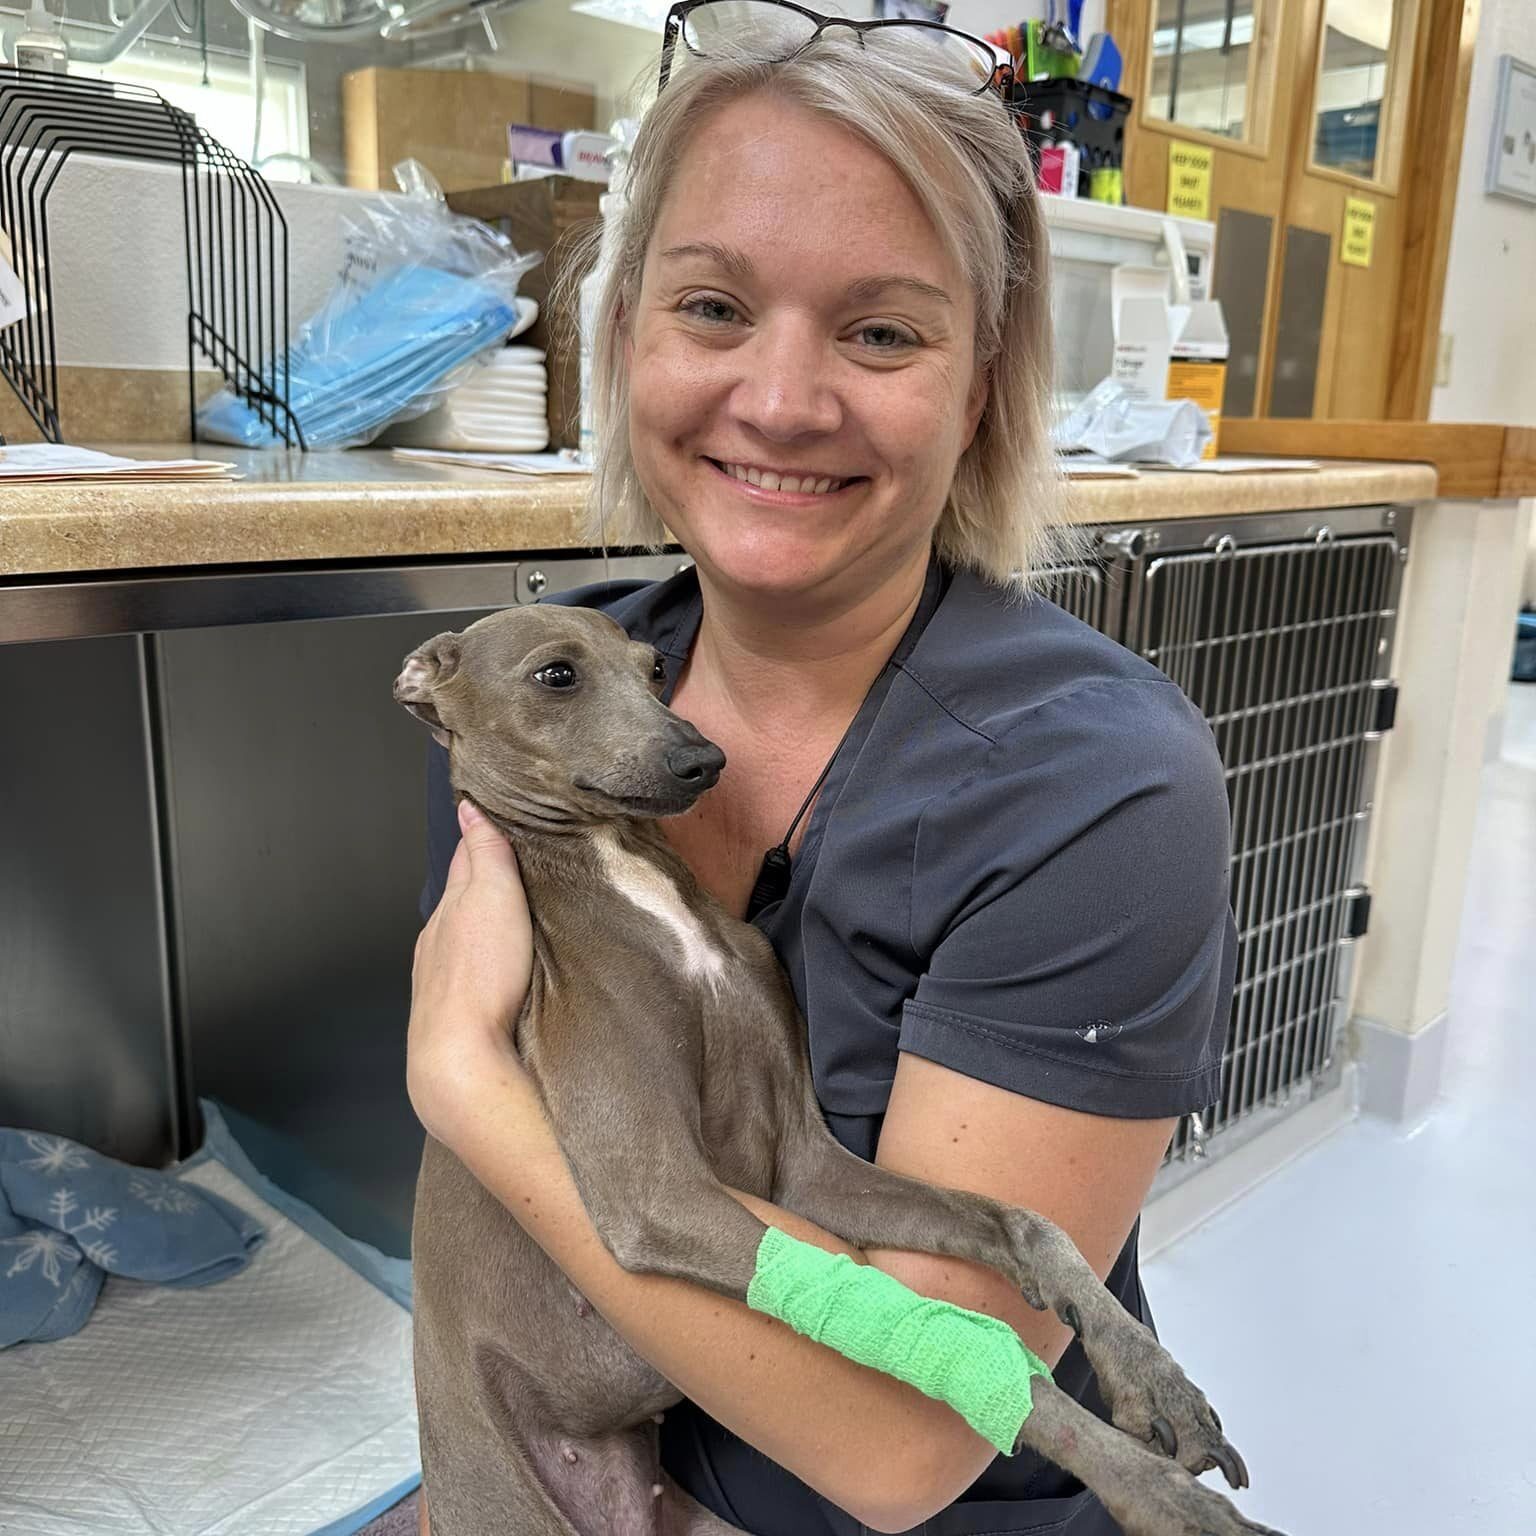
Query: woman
[{"x": 822, "y": 365}]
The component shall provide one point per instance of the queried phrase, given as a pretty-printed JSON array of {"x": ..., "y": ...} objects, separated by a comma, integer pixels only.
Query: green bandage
[{"x": 976, "y": 1364}]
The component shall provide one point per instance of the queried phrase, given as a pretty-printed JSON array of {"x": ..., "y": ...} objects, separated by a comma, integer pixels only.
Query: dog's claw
[
  {"x": 1165, "y": 1435},
  {"x": 1070, "y": 1316},
  {"x": 1233, "y": 1468}
]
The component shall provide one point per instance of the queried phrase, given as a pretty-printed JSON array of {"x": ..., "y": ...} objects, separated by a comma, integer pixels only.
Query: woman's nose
[{"x": 787, "y": 389}]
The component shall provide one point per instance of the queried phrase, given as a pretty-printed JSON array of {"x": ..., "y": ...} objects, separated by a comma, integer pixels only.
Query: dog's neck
[{"x": 629, "y": 862}]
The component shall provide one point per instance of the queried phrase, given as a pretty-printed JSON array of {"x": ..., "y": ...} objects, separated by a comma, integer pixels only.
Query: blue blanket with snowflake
[{"x": 70, "y": 1217}]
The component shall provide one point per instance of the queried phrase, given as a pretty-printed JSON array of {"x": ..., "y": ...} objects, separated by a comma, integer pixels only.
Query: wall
[{"x": 1490, "y": 300}]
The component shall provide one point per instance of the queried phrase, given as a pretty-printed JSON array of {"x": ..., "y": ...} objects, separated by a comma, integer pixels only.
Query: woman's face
[{"x": 798, "y": 319}]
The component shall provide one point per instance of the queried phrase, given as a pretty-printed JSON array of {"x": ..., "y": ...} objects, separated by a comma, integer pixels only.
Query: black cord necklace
[{"x": 774, "y": 875}]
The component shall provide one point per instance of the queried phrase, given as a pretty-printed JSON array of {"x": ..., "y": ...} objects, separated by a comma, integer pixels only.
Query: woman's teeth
[{"x": 802, "y": 485}]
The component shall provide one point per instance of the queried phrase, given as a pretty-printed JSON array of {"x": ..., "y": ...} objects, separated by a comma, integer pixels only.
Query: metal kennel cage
[{"x": 1280, "y": 628}]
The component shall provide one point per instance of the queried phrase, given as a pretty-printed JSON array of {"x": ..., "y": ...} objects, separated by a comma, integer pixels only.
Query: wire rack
[
  {"x": 1283, "y": 645},
  {"x": 1080, "y": 588},
  {"x": 1280, "y": 648},
  {"x": 235, "y": 235}
]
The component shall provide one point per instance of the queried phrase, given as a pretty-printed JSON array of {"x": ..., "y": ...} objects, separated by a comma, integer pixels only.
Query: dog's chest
[{"x": 648, "y": 888}]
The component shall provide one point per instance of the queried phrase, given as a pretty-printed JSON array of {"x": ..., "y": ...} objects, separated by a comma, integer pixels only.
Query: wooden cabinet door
[{"x": 1305, "y": 106}]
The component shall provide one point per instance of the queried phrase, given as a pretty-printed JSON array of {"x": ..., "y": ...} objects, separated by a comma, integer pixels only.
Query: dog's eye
[
  {"x": 659, "y": 671},
  {"x": 558, "y": 674}
]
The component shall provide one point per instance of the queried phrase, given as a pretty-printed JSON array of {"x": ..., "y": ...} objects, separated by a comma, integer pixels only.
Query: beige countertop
[{"x": 366, "y": 504}]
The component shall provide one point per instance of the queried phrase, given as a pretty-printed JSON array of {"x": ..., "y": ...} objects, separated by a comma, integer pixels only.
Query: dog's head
[{"x": 553, "y": 715}]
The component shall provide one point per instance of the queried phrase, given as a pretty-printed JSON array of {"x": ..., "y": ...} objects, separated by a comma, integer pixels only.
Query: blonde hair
[{"x": 968, "y": 165}]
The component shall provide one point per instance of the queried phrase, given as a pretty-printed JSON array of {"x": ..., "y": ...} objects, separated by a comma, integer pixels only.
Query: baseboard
[
  {"x": 1400, "y": 1074},
  {"x": 1228, "y": 1176}
]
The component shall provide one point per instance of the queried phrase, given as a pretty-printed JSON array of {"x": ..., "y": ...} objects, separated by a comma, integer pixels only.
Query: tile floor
[{"x": 1365, "y": 1321}]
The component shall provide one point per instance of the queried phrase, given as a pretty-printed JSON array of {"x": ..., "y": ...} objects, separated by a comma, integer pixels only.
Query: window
[
  {"x": 1202, "y": 57},
  {"x": 1352, "y": 86},
  {"x": 224, "y": 105}
]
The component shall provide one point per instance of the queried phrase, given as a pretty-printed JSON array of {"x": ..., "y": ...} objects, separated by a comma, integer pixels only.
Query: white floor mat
[{"x": 276, "y": 1403}]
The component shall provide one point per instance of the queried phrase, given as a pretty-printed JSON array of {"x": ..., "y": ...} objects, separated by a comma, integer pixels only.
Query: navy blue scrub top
[{"x": 1017, "y": 868}]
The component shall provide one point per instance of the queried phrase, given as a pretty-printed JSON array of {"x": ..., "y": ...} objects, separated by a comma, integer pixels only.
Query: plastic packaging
[
  {"x": 1113, "y": 425},
  {"x": 422, "y": 292},
  {"x": 42, "y": 44}
]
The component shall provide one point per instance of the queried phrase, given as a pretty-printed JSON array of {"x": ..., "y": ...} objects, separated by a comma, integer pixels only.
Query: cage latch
[
  {"x": 1384, "y": 708},
  {"x": 1357, "y": 914}
]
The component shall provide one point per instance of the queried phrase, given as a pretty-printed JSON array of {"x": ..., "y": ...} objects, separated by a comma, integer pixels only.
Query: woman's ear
[{"x": 976, "y": 403}]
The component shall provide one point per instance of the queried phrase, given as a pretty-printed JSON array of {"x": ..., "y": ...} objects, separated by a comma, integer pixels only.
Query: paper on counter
[
  {"x": 1233, "y": 464},
  {"x": 513, "y": 463},
  {"x": 1090, "y": 467},
  {"x": 61, "y": 461}
]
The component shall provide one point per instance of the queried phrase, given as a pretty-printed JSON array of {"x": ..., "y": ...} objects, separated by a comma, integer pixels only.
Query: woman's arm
[{"x": 874, "y": 1446}]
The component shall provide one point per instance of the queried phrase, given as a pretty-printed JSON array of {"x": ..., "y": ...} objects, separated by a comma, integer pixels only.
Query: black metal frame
[
  {"x": 1001, "y": 78},
  {"x": 235, "y": 234}
]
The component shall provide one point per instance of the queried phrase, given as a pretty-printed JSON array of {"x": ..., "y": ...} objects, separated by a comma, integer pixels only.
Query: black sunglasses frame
[{"x": 1001, "y": 79}]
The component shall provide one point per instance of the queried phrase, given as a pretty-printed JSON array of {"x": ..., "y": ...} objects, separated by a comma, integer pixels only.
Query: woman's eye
[
  {"x": 886, "y": 338},
  {"x": 659, "y": 671},
  {"x": 558, "y": 674},
  {"x": 711, "y": 311}
]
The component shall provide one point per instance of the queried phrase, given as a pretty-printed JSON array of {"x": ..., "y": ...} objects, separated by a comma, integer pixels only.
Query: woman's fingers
[{"x": 482, "y": 849}]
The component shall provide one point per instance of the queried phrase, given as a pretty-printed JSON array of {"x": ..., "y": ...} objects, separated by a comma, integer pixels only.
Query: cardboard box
[
  {"x": 453, "y": 120},
  {"x": 549, "y": 214},
  {"x": 1167, "y": 351}
]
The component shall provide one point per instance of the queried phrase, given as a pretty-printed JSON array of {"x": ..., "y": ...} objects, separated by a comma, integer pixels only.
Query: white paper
[
  {"x": 62, "y": 461},
  {"x": 13, "y": 299},
  {"x": 514, "y": 463},
  {"x": 1230, "y": 464},
  {"x": 1089, "y": 467}
]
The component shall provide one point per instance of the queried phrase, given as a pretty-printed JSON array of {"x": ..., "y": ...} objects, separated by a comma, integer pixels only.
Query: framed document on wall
[{"x": 1512, "y": 155}]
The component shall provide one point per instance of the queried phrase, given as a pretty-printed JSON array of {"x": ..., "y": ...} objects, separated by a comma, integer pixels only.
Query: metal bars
[
  {"x": 1282, "y": 642},
  {"x": 236, "y": 237},
  {"x": 1079, "y": 588},
  {"x": 1279, "y": 647}
]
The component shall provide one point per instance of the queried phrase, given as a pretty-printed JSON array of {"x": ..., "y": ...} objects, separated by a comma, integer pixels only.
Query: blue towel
[{"x": 69, "y": 1217}]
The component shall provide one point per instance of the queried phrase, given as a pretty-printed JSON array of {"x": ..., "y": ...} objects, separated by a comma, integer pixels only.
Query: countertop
[{"x": 366, "y": 504}]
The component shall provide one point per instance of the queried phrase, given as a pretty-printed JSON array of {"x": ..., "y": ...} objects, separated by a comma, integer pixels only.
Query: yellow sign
[
  {"x": 1359, "y": 232},
  {"x": 1189, "y": 180}
]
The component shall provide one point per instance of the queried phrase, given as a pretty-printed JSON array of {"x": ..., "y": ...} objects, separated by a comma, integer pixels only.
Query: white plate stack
[{"x": 501, "y": 407}]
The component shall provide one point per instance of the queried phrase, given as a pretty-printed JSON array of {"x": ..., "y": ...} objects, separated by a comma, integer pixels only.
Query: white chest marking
[{"x": 650, "y": 890}]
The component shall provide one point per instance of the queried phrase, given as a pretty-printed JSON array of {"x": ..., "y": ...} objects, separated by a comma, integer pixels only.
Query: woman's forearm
[{"x": 872, "y": 1445}]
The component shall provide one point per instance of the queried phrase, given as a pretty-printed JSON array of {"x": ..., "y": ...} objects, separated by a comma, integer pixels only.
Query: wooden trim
[
  {"x": 1517, "y": 474},
  {"x": 1472, "y": 459},
  {"x": 1447, "y": 35},
  {"x": 1354, "y": 183}
]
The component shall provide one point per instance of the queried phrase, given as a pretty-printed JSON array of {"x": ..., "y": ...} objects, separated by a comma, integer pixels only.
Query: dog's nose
[{"x": 696, "y": 762}]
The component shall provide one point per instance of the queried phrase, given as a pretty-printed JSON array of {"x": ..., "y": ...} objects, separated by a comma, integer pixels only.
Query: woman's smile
[{"x": 783, "y": 487}]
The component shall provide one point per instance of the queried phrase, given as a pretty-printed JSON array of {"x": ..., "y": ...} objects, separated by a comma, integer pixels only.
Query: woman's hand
[{"x": 471, "y": 974}]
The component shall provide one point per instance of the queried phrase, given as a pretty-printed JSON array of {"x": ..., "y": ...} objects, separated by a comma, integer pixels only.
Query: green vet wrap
[{"x": 976, "y": 1364}]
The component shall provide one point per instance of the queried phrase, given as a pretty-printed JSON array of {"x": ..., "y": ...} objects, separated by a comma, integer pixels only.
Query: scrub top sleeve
[{"x": 1072, "y": 898}]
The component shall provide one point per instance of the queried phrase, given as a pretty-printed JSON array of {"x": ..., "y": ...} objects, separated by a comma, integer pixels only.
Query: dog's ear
[{"x": 425, "y": 669}]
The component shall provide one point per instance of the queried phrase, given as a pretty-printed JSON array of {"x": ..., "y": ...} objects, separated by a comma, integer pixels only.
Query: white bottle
[
  {"x": 41, "y": 45},
  {"x": 588, "y": 298}
]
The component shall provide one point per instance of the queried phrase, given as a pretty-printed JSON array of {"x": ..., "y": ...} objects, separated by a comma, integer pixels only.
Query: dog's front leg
[{"x": 1149, "y": 1394}]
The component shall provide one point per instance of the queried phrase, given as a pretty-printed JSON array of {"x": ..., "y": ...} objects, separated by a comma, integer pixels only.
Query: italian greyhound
[{"x": 671, "y": 1058}]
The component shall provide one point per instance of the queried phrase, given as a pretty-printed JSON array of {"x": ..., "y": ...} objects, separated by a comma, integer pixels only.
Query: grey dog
[{"x": 536, "y": 1418}]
